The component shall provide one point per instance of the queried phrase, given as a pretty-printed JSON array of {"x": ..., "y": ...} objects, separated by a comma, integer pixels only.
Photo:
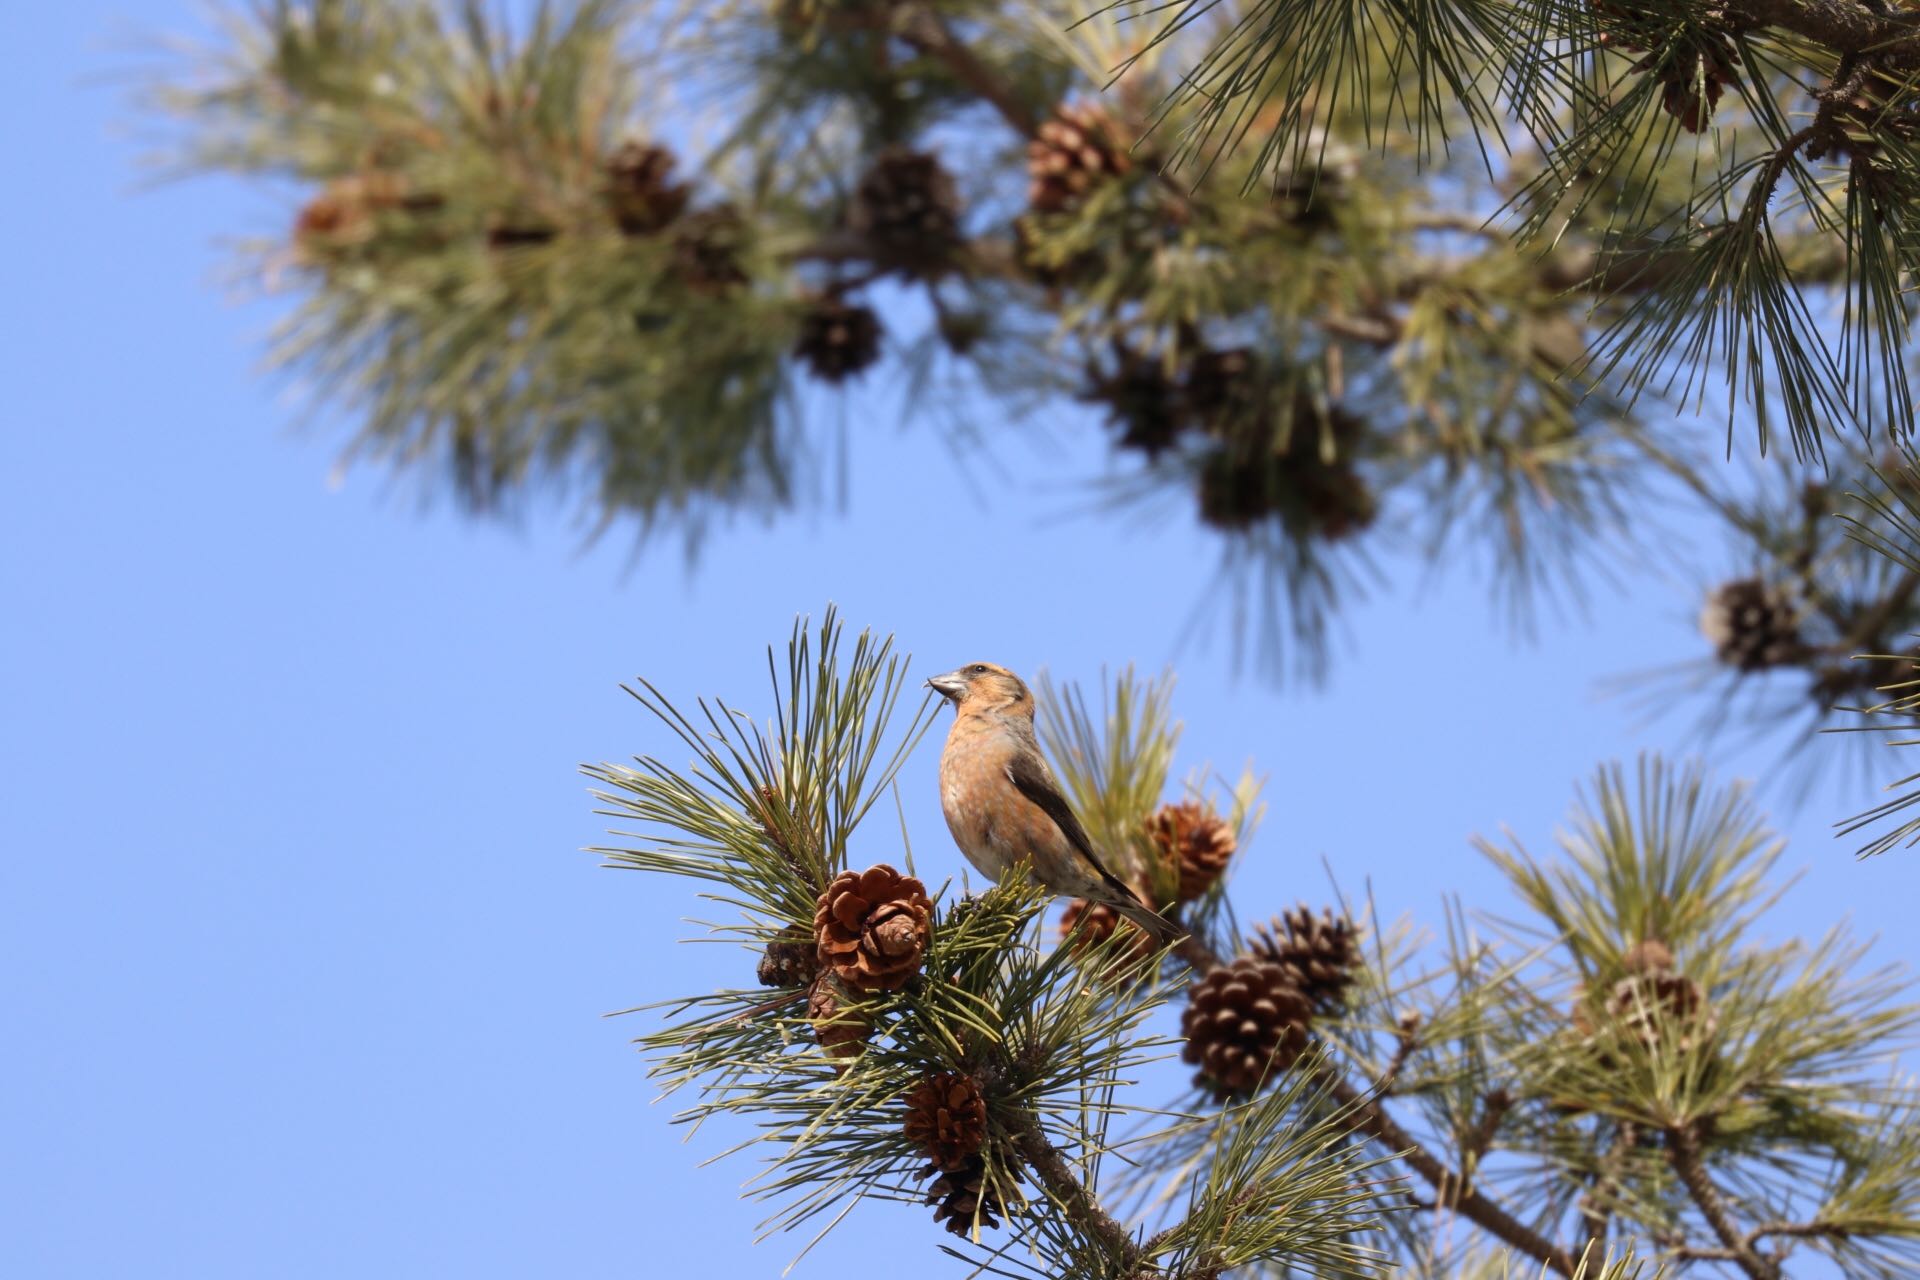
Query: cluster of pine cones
[
  {"x": 1249, "y": 1019},
  {"x": 1268, "y": 448}
]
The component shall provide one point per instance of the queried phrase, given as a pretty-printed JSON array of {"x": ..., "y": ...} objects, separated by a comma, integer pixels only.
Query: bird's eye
[{"x": 977, "y": 669}]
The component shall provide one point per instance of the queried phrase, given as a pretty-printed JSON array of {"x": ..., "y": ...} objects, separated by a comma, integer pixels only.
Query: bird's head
[{"x": 983, "y": 686}]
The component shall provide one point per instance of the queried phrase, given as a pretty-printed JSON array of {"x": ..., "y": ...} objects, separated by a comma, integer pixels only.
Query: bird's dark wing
[{"x": 1031, "y": 777}]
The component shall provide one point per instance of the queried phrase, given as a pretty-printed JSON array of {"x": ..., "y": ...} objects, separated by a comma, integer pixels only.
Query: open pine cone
[
  {"x": 1089, "y": 924},
  {"x": 1074, "y": 151},
  {"x": 1320, "y": 952},
  {"x": 872, "y": 927},
  {"x": 947, "y": 1119},
  {"x": 1196, "y": 840},
  {"x": 1245, "y": 1022},
  {"x": 842, "y": 1034},
  {"x": 960, "y": 1195}
]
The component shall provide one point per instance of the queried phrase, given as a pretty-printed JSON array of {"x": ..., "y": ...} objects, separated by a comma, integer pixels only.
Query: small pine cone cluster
[
  {"x": 707, "y": 247},
  {"x": 1245, "y": 1022},
  {"x": 347, "y": 212},
  {"x": 1284, "y": 472},
  {"x": 947, "y": 1119},
  {"x": 872, "y": 927},
  {"x": 788, "y": 962},
  {"x": 1079, "y": 147},
  {"x": 640, "y": 190},
  {"x": 1196, "y": 841},
  {"x": 841, "y": 1032},
  {"x": 1320, "y": 952},
  {"x": 1143, "y": 401},
  {"x": 907, "y": 207},
  {"x": 1752, "y": 626},
  {"x": 838, "y": 339},
  {"x": 1694, "y": 81},
  {"x": 1653, "y": 1000},
  {"x": 960, "y": 1196}
]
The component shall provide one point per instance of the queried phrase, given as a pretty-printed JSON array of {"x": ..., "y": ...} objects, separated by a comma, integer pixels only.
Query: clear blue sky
[{"x": 304, "y": 971}]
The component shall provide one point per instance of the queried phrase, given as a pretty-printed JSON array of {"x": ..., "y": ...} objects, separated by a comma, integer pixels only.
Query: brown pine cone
[
  {"x": 1196, "y": 840},
  {"x": 1245, "y": 1022},
  {"x": 1320, "y": 952},
  {"x": 1072, "y": 152},
  {"x": 640, "y": 192},
  {"x": 346, "y": 212},
  {"x": 959, "y": 1196},
  {"x": 1649, "y": 955},
  {"x": 842, "y": 1034},
  {"x": 906, "y": 206},
  {"x": 872, "y": 928},
  {"x": 707, "y": 247},
  {"x": 947, "y": 1119},
  {"x": 838, "y": 339},
  {"x": 788, "y": 962},
  {"x": 1269, "y": 469},
  {"x": 1651, "y": 1006},
  {"x": 1089, "y": 924},
  {"x": 1752, "y": 626}
]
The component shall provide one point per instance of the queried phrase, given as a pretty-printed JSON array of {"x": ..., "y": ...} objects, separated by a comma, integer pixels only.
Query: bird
[{"x": 1003, "y": 806}]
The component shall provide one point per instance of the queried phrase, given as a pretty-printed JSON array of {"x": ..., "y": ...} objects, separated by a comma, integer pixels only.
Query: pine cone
[
  {"x": 1649, "y": 955},
  {"x": 1319, "y": 952},
  {"x": 1143, "y": 402},
  {"x": 838, "y": 340},
  {"x": 842, "y": 1034},
  {"x": 1752, "y": 626},
  {"x": 1071, "y": 153},
  {"x": 872, "y": 928},
  {"x": 1089, "y": 924},
  {"x": 706, "y": 249},
  {"x": 1221, "y": 386},
  {"x": 1244, "y": 1023},
  {"x": 959, "y": 1196},
  {"x": 947, "y": 1119},
  {"x": 1652, "y": 1005},
  {"x": 640, "y": 193},
  {"x": 788, "y": 962},
  {"x": 1194, "y": 839},
  {"x": 1264, "y": 471},
  {"x": 907, "y": 207},
  {"x": 346, "y": 212}
]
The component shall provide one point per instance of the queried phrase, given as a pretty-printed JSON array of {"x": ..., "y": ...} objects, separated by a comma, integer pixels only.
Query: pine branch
[
  {"x": 1683, "y": 1153},
  {"x": 1065, "y": 1190},
  {"x": 1372, "y": 1119},
  {"x": 922, "y": 28}
]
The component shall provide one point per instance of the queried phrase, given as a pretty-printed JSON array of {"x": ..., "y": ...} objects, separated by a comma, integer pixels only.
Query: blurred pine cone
[
  {"x": 838, "y": 339},
  {"x": 1752, "y": 626},
  {"x": 788, "y": 962},
  {"x": 1072, "y": 152},
  {"x": 1300, "y": 472},
  {"x": 1659, "y": 1006},
  {"x": 906, "y": 206},
  {"x": 872, "y": 928},
  {"x": 707, "y": 248},
  {"x": 640, "y": 191}
]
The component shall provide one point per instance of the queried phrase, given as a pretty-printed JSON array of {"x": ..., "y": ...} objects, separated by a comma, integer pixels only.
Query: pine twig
[
  {"x": 1683, "y": 1153},
  {"x": 1066, "y": 1191},
  {"x": 1370, "y": 1118}
]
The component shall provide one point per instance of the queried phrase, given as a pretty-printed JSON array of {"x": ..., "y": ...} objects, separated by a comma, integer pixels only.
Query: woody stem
[{"x": 1064, "y": 1188}]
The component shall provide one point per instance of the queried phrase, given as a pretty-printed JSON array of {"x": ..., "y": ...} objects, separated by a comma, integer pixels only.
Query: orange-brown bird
[{"x": 1003, "y": 805}]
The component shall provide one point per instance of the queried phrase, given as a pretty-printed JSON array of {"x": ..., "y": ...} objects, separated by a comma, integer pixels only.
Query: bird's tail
[{"x": 1162, "y": 930}]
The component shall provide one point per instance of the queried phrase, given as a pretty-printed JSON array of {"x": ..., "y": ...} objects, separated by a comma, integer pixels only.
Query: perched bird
[{"x": 1003, "y": 805}]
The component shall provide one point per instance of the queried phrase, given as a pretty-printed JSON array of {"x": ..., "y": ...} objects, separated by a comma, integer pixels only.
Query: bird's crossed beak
[{"x": 952, "y": 685}]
